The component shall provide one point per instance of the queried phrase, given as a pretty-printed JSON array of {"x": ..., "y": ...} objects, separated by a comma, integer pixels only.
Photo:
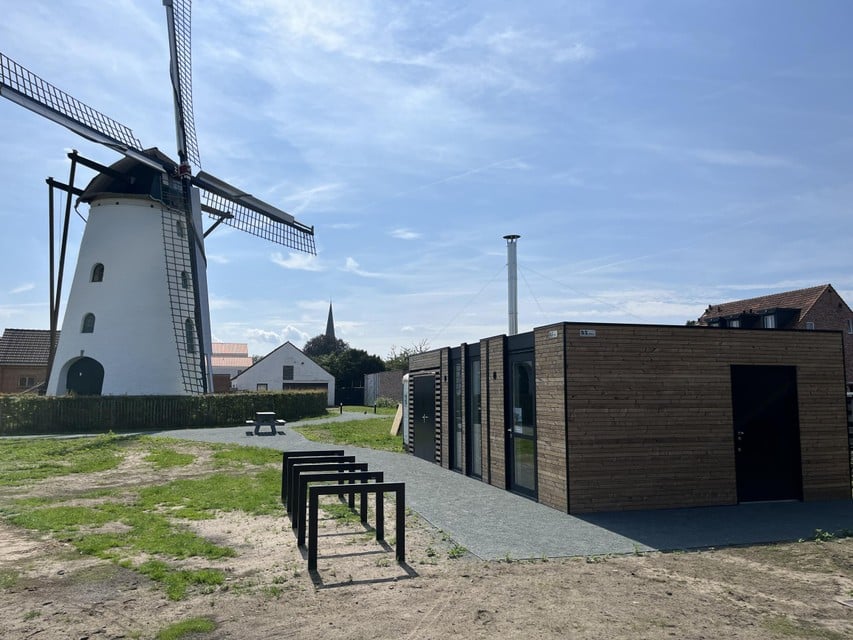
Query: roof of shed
[{"x": 25, "y": 346}]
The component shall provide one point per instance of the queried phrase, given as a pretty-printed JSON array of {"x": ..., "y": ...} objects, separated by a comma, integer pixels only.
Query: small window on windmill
[
  {"x": 287, "y": 372},
  {"x": 809, "y": 326},
  {"x": 185, "y": 280},
  {"x": 98, "y": 273},
  {"x": 189, "y": 329},
  {"x": 179, "y": 228},
  {"x": 88, "y": 323}
]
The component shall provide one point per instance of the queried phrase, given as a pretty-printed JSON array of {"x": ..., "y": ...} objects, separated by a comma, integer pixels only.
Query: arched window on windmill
[
  {"x": 179, "y": 228},
  {"x": 88, "y": 323},
  {"x": 98, "y": 272},
  {"x": 185, "y": 280},
  {"x": 189, "y": 330}
]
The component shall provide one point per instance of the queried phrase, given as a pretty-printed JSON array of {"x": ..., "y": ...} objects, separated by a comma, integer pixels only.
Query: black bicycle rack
[{"x": 301, "y": 470}]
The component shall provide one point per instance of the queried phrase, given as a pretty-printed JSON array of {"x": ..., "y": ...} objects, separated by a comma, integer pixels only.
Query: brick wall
[
  {"x": 495, "y": 404},
  {"x": 650, "y": 418},
  {"x": 10, "y": 376},
  {"x": 446, "y": 418},
  {"x": 831, "y": 313}
]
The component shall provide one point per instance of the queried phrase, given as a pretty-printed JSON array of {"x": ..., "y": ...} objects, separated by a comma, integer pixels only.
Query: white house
[{"x": 286, "y": 368}]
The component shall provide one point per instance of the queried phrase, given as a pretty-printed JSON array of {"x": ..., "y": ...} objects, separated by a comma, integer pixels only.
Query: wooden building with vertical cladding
[{"x": 605, "y": 417}]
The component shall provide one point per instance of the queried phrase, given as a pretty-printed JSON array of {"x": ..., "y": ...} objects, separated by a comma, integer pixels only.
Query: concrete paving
[{"x": 495, "y": 524}]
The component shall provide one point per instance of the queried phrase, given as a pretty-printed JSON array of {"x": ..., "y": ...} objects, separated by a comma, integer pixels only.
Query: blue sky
[{"x": 654, "y": 156}]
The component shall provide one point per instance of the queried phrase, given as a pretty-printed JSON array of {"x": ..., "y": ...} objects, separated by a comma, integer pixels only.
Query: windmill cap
[{"x": 127, "y": 176}]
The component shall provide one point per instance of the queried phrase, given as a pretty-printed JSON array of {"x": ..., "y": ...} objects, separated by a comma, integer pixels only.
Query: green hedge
[{"x": 27, "y": 414}]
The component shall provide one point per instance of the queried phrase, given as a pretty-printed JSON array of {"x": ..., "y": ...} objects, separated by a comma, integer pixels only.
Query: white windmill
[{"x": 137, "y": 319}]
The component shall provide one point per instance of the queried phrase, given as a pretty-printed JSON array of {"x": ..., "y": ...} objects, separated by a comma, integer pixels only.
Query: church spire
[{"x": 330, "y": 324}]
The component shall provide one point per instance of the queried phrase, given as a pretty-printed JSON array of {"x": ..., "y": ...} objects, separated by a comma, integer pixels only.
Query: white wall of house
[{"x": 269, "y": 372}]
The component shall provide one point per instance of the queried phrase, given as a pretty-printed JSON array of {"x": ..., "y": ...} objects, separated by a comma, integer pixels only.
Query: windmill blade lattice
[
  {"x": 178, "y": 14},
  {"x": 22, "y": 86}
]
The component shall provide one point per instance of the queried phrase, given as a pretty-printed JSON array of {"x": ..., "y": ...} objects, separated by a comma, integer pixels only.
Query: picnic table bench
[{"x": 265, "y": 419}]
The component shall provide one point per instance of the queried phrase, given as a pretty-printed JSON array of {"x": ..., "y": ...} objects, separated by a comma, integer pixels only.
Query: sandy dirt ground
[{"x": 798, "y": 590}]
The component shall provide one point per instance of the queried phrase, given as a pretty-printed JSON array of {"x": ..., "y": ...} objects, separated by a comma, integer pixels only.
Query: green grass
[
  {"x": 165, "y": 457},
  {"x": 178, "y": 581},
  {"x": 255, "y": 493},
  {"x": 142, "y": 531},
  {"x": 23, "y": 461},
  {"x": 185, "y": 628},
  {"x": 235, "y": 455},
  {"x": 8, "y": 578},
  {"x": 122, "y": 525},
  {"x": 784, "y": 626},
  {"x": 340, "y": 512},
  {"x": 372, "y": 433}
]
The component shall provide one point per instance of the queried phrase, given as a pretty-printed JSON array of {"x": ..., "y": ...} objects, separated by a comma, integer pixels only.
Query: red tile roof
[
  {"x": 230, "y": 349},
  {"x": 801, "y": 299},
  {"x": 25, "y": 346}
]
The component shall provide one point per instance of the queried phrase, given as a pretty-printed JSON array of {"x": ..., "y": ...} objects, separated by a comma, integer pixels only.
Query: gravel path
[{"x": 494, "y": 524}]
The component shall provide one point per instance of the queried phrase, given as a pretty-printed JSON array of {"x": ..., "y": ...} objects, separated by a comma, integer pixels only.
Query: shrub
[{"x": 28, "y": 414}]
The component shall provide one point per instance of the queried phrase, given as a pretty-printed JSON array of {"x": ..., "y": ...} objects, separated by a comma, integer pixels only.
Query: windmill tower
[{"x": 137, "y": 319}]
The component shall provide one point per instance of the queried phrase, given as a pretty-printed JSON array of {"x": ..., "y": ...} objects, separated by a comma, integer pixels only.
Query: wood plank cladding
[
  {"x": 650, "y": 414},
  {"x": 640, "y": 416}
]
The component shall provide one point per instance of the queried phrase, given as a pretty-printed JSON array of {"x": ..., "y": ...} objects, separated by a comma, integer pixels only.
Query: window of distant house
[
  {"x": 734, "y": 324},
  {"x": 26, "y": 382},
  {"x": 261, "y": 386},
  {"x": 849, "y": 325},
  {"x": 287, "y": 372},
  {"x": 88, "y": 323},
  {"x": 185, "y": 280},
  {"x": 189, "y": 330},
  {"x": 810, "y": 326},
  {"x": 98, "y": 273},
  {"x": 769, "y": 322}
]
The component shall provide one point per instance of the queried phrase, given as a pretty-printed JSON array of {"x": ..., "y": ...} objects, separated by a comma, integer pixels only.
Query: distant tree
[
  {"x": 323, "y": 345},
  {"x": 350, "y": 366},
  {"x": 691, "y": 323},
  {"x": 398, "y": 359},
  {"x": 256, "y": 358}
]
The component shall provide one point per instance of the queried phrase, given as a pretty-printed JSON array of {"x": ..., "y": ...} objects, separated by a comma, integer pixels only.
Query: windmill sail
[{"x": 180, "y": 47}]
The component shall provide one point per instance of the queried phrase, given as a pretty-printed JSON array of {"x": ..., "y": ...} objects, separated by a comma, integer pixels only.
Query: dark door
[
  {"x": 766, "y": 433},
  {"x": 521, "y": 433},
  {"x": 423, "y": 408},
  {"x": 85, "y": 377}
]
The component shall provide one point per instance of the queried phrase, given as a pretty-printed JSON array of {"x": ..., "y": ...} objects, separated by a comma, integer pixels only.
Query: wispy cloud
[
  {"x": 29, "y": 286},
  {"x": 320, "y": 196},
  {"x": 218, "y": 258},
  {"x": 352, "y": 266},
  {"x": 741, "y": 158},
  {"x": 404, "y": 234},
  {"x": 299, "y": 261}
]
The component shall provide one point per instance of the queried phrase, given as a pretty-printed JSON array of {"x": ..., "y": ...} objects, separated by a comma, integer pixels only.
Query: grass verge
[
  {"x": 142, "y": 529},
  {"x": 372, "y": 433}
]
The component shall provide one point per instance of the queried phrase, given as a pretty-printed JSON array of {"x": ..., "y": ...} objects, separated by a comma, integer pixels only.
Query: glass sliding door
[{"x": 521, "y": 441}]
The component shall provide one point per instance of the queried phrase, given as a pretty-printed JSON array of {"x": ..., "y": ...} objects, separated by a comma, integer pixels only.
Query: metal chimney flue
[{"x": 512, "y": 282}]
